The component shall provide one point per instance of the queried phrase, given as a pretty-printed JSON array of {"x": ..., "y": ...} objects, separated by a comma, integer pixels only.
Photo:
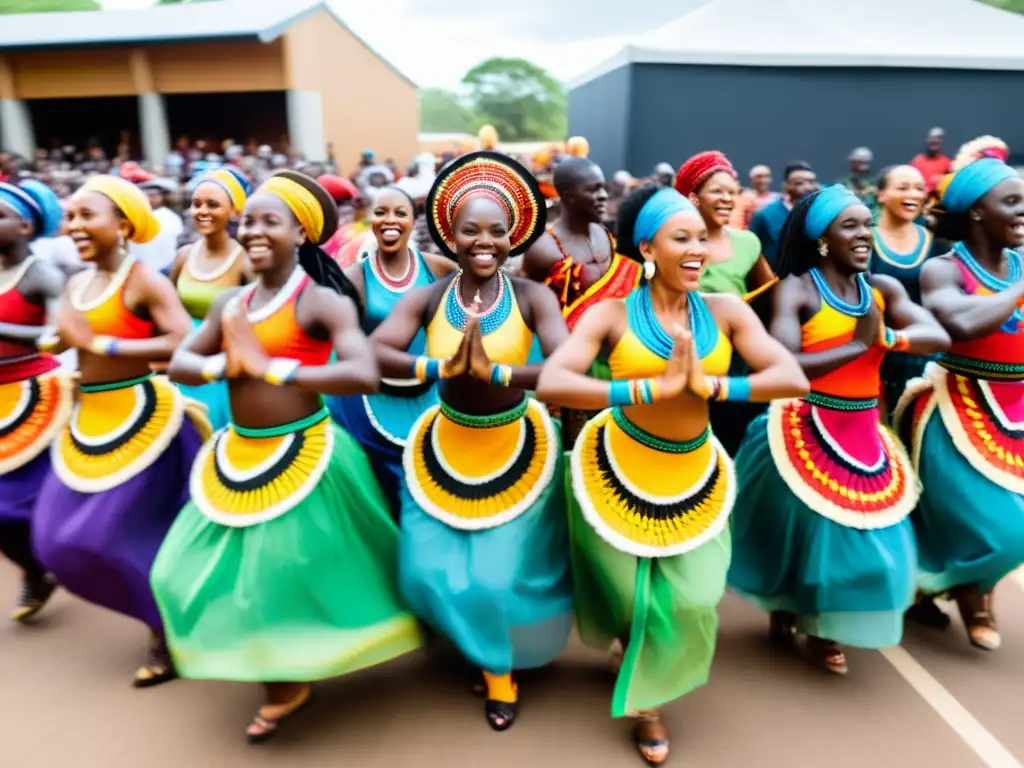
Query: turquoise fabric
[
  {"x": 381, "y": 300},
  {"x": 213, "y": 395},
  {"x": 970, "y": 530},
  {"x": 844, "y": 584}
]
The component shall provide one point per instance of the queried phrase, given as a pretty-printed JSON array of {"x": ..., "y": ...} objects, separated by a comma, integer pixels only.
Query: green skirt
[
  {"x": 282, "y": 568},
  {"x": 662, "y": 607}
]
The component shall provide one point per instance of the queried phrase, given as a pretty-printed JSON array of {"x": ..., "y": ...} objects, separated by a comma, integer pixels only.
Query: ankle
[{"x": 501, "y": 688}]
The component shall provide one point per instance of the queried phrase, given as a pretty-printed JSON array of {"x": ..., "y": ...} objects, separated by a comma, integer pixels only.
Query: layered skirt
[
  {"x": 213, "y": 395},
  {"x": 119, "y": 477},
  {"x": 282, "y": 568},
  {"x": 32, "y": 412},
  {"x": 380, "y": 424},
  {"x": 821, "y": 527},
  {"x": 484, "y": 556},
  {"x": 650, "y": 553},
  {"x": 967, "y": 442}
]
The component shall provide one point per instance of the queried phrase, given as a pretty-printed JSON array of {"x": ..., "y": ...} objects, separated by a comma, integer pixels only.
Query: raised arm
[
  {"x": 964, "y": 317},
  {"x": 540, "y": 258},
  {"x": 914, "y": 328},
  {"x": 392, "y": 337}
]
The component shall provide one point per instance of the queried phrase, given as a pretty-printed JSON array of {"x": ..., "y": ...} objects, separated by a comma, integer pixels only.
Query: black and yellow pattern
[
  {"x": 646, "y": 496},
  {"x": 118, "y": 430},
  {"x": 245, "y": 476},
  {"x": 31, "y": 414},
  {"x": 472, "y": 472}
]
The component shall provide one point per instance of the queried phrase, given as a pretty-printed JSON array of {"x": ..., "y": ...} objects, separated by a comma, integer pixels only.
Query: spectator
[
  {"x": 932, "y": 163},
  {"x": 753, "y": 199},
  {"x": 159, "y": 252},
  {"x": 664, "y": 175},
  {"x": 767, "y": 223},
  {"x": 859, "y": 181}
]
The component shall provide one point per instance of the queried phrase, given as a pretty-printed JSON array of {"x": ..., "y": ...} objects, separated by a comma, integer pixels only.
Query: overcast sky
[{"x": 436, "y": 41}]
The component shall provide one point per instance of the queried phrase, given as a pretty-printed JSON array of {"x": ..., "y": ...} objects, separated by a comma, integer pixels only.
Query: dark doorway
[
  {"x": 259, "y": 117},
  {"x": 106, "y": 121}
]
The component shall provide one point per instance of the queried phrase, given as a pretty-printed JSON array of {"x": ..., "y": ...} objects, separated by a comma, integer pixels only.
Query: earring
[
  {"x": 122, "y": 247},
  {"x": 649, "y": 269},
  {"x": 975, "y": 217},
  {"x": 823, "y": 249}
]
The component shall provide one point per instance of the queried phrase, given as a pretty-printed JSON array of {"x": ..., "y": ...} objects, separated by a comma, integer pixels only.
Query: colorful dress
[
  {"x": 120, "y": 472},
  {"x": 381, "y": 422},
  {"x": 282, "y": 566},
  {"x": 821, "y": 527},
  {"x": 198, "y": 291},
  {"x": 35, "y": 402},
  {"x": 484, "y": 556},
  {"x": 900, "y": 367},
  {"x": 964, "y": 422},
  {"x": 649, "y": 521}
]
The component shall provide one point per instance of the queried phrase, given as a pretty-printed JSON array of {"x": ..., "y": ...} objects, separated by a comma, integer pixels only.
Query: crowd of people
[{"x": 298, "y": 441}]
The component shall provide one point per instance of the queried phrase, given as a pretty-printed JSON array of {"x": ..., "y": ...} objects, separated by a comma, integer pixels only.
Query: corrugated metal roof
[{"x": 264, "y": 21}]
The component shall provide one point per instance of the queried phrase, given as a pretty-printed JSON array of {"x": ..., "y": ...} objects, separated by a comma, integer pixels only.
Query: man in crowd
[
  {"x": 932, "y": 163},
  {"x": 752, "y": 200},
  {"x": 859, "y": 181},
  {"x": 767, "y": 223}
]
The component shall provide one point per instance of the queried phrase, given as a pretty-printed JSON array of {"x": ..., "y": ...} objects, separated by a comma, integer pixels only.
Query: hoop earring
[
  {"x": 649, "y": 269},
  {"x": 823, "y": 249}
]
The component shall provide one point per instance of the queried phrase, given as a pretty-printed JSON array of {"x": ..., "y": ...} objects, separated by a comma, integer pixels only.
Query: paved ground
[{"x": 65, "y": 702}]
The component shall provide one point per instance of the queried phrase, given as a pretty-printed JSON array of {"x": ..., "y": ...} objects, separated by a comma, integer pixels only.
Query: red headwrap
[
  {"x": 134, "y": 173},
  {"x": 338, "y": 188},
  {"x": 699, "y": 169}
]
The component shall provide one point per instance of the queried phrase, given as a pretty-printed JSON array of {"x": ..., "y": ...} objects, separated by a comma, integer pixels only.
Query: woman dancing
[
  {"x": 652, "y": 487},
  {"x": 120, "y": 466},
  {"x": 963, "y": 418},
  {"x": 390, "y": 269},
  {"x": 484, "y": 556},
  {"x": 821, "y": 538},
  {"x": 35, "y": 397},
  {"x": 211, "y": 265},
  {"x": 901, "y": 248},
  {"x": 281, "y": 570}
]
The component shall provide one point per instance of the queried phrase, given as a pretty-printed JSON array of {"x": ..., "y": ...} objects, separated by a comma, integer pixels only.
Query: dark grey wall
[
  {"x": 599, "y": 111},
  {"x": 774, "y": 115}
]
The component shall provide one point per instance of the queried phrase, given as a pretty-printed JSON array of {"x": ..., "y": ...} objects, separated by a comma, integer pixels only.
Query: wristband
[
  {"x": 49, "y": 342},
  {"x": 103, "y": 345},
  {"x": 889, "y": 338},
  {"x": 632, "y": 392},
  {"x": 901, "y": 343},
  {"x": 501, "y": 375},
  {"x": 280, "y": 371},
  {"x": 732, "y": 389},
  {"x": 427, "y": 368},
  {"x": 214, "y": 367}
]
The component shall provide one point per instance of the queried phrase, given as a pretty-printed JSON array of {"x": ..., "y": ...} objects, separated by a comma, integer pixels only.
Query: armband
[
  {"x": 48, "y": 343},
  {"x": 501, "y": 375},
  {"x": 632, "y": 392},
  {"x": 427, "y": 368},
  {"x": 214, "y": 367},
  {"x": 103, "y": 345},
  {"x": 280, "y": 371},
  {"x": 731, "y": 389}
]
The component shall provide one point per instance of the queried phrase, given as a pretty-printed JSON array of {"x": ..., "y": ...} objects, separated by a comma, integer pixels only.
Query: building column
[
  {"x": 306, "y": 124},
  {"x": 15, "y": 121},
  {"x": 154, "y": 132}
]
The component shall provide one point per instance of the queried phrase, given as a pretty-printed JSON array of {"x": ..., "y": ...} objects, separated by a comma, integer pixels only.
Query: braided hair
[{"x": 797, "y": 252}]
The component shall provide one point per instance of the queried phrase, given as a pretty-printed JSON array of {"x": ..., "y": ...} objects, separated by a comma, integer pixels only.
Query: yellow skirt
[{"x": 31, "y": 414}]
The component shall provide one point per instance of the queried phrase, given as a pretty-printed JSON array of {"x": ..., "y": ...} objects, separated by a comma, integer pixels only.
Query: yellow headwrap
[
  {"x": 228, "y": 182},
  {"x": 301, "y": 201},
  {"x": 131, "y": 201}
]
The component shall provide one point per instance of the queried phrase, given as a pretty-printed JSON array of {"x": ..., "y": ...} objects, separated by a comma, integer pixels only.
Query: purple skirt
[
  {"x": 20, "y": 489},
  {"x": 101, "y": 546}
]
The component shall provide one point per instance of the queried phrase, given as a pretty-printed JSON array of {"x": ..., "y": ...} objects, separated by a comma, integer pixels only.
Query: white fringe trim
[{"x": 63, "y": 412}]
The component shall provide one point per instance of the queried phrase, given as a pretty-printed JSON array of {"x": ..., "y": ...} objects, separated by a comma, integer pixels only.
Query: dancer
[
  {"x": 120, "y": 466},
  {"x": 652, "y": 487},
  {"x": 962, "y": 419},
  {"x": 281, "y": 570},
  {"x": 381, "y": 422},
  {"x": 821, "y": 538},
  {"x": 35, "y": 396},
  {"x": 484, "y": 555},
  {"x": 211, "y": 265},
  {"x": 901, "y": 249}
]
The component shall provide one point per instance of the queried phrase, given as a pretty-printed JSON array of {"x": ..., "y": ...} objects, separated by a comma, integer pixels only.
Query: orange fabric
[
  {"x": 827, "y": 329},
  {"x": 114, "y": 318},
  {"x": 280, "y": 335}
]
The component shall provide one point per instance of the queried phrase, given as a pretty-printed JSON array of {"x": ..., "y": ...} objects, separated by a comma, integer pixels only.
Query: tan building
[{"x": 273, "y": 72}]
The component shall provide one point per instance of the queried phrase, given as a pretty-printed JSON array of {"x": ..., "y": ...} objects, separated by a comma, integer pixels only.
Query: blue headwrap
[
  {"x": 973, "y": 182},
  {"x": 829, "y": 203},
  {"x": 663, "y": 205},
  {"x": 36, "y": 203}
]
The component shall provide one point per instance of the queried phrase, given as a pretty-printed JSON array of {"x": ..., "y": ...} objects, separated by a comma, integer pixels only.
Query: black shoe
[{"x": 36, "y": 591}]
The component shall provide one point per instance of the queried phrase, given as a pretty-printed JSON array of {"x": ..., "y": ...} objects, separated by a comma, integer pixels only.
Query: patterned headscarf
[{"x": 496, "y": 177}]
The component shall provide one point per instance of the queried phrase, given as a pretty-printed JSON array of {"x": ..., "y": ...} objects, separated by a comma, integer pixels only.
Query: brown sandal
[
  {"x": 828, "y": 655},
  {"x": 270, "y": 716},
  {"x": 651, "y": 738},
  {"x": 976, "y": 612}
]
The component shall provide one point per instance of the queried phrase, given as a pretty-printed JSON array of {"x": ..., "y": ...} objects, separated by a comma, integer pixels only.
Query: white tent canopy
[{"x": 934, "y": 34}]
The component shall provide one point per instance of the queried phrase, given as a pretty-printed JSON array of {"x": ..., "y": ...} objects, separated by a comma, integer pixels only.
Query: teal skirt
[
  {"x": 970, "y": 520},
  {"x": 213, "y": 395},
  {"x": 843, "y": 563},
  {"x": 285, "y": 572},
  {"x": 484, "y": 556}
]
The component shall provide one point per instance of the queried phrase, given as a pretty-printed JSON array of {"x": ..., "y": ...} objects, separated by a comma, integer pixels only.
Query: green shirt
[{"x": 731, "y": 276}]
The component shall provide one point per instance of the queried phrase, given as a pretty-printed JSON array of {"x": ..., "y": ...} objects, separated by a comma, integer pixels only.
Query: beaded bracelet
[
  {"x": 897, "y": 341},
  {"x": 734, "y": 389},
  {"x": 280, "y": 371},
  {"x": 427, "y": 368},
  {"x": 103, "y": 345},
  {"x": 501, "y": 375},
  {"x": 214, "y": 367},
  {"x": 632, "y": 392}
]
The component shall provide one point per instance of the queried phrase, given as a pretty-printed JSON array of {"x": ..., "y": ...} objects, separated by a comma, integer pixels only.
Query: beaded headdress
[{"x": 496, "y": 177}]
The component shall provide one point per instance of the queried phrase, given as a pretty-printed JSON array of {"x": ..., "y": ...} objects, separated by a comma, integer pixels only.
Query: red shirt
[{"x": 932, "y": 168}]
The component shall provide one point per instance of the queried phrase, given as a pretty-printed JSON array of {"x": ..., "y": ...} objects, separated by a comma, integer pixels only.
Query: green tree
[
  {"x": 523, "y": 101},
  {"x": 47, "y": 6},
  {"x": 443, "y": 111},
  {"x": 1017, "y": 6}
]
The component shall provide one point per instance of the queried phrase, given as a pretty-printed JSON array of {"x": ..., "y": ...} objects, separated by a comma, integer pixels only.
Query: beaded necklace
[
  {"x": 395, "y": 285},
  {"x": 860, "y": 309},
  {"x": 645, "y": 323},
  {"x": 458, "y": 314}
]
